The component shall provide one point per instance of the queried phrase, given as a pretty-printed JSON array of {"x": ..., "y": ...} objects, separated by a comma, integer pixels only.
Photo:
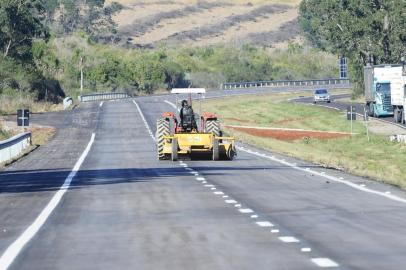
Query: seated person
[{"x": 187, "y": 117}]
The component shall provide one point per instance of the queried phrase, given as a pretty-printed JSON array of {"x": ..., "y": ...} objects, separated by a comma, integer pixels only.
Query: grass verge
[{"x": 377, "y": 159}]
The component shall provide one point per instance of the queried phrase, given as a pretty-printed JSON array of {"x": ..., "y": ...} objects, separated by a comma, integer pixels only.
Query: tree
[
  {"x": 363, "y": 31},
  {"x": 20, "y": 24}
]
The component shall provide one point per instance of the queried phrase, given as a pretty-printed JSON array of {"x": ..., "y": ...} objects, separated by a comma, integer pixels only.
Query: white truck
[{"x": 384, "y": 91}]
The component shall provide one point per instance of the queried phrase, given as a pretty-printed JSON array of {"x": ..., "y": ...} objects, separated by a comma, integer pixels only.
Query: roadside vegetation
[
  {"x": 378, "y": 158},
  {"x": 363, "y": 31},
  {"x": 44, "y": 47}
]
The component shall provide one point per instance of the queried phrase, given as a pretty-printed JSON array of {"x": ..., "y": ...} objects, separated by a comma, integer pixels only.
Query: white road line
[
  {"x": 324, "y": 262},
  {"x": 225, "y": 196},
  {"x": 209, "y": 185},
  {"x": 200, "y": 179},
  {"x": 237, "y": 205},
  {"x": 230, "y": 201},
  {"x": 15, "y": 248},
  {"x": 213, "y": 188},
  {"x": 332, "y": 178},
  {"x": 144, "y": 120},
  {"x": 101, "y": 104},
  {"x": 275, "y": 231},
  {"x": 264, "y": 224},
  {"x": 289, "y": 239},
  {"x": 245, "y": 210},
  {"x": 170, "y": 103},
  {"x": 254, "y": 216},
  {"x": 218, "y": 192},
  {"x": 306, "y": 249},
  {"x": 189, "y": 169}
]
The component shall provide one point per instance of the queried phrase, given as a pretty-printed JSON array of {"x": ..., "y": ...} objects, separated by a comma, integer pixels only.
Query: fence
[
  {"x": 103, "y": 96},
  {"x": 15, "y": 146},
  {"x": 324, "y": 82}
]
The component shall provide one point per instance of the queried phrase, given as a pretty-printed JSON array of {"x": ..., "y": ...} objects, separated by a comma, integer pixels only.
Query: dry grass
[
  {"x": 10, "y": 104},
  {"x": 356, "y": 155},
  {"x": 130, "y": 20},
  {"x": 240, "y": 32}
]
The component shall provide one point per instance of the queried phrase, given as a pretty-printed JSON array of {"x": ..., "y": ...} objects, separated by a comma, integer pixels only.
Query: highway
[{"x": 95, "y": 197}]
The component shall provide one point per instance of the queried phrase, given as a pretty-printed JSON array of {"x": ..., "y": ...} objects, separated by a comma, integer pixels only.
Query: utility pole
[{"x": 81, "y": 74}]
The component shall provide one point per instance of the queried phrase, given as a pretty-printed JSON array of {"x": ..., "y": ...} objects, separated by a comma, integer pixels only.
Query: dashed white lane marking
[
  {"x": 213, "y": 188},
  {"x": 254, "y": 216},
  {"x": 289, "y": 239},
  {"x": 200, "y": 179},
  {"x": 170, "y": 103},
  {"x": 101, "y": 104},
  {"x": 275, "y": 231},
  {"x": 209, "y": 185},
  {"x": 225, "y": 196},
  {"x": 245, "y": 210},
  {"x": 332, "y": 178},
  {"x": 264, "y": 224},
  {"x": 218, "y": 192},
  {"x": 237, "y": 205},
  {"x": 306, "y": 249},
  {"x": 144, "y": 120},
  {"x": 15, "y": 248},
  {"x": 230, "y": 201},
  {"x": 324, "y": 262},
  {"x": 194, "y": 172}
]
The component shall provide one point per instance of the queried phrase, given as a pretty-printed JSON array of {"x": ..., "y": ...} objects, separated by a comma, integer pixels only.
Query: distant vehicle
[
  {"x": 321, "y": 95},
  {"x": 382, "y": 83}
]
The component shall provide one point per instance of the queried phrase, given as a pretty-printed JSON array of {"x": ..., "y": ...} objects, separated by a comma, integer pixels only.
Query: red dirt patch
[
  {"x": 288, "y": 135},
  {"x": 237, "y": 120}
]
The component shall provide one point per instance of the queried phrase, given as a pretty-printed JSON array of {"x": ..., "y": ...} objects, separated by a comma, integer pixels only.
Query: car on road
[{"x": 321, "y": 95}]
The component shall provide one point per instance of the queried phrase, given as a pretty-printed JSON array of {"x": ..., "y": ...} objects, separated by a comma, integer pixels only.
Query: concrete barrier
[{"x": 15, "y": 146}]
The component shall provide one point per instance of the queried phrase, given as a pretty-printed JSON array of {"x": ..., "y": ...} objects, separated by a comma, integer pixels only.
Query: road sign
[
  {"x": 343, "y": 68},
  {"x": 351, "y": 113},
  {"x": 23, "y": 118}
]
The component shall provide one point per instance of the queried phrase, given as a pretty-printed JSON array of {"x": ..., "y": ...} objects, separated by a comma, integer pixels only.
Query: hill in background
[{"x": 200, "y": 23}]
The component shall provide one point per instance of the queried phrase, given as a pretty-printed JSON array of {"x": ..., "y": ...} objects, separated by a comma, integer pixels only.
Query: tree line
[{"x": 364, "y": 31}]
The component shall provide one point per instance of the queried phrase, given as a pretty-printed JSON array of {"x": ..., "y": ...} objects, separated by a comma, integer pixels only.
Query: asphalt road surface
[{"x": 120, "y": 208}]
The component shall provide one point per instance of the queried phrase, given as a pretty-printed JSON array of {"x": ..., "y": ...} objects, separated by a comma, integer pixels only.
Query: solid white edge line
[
  {"x": 332, "y": 178},
  {"x": 170, "y": 103},
  {"x": 16, "y": 247},
  {"x": 144, "y": 120}
]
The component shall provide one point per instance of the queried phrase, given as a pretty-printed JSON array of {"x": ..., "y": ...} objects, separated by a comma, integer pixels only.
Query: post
[
  {"x": 81, "y": 74},
  {"x": 366, "y": 122},
  {"x": 351, "y": 119}
]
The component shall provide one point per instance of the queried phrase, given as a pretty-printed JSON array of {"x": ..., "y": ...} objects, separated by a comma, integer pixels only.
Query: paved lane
[
  {"x": 354, "y": 228},
  {"x": 126, "y": 210}
]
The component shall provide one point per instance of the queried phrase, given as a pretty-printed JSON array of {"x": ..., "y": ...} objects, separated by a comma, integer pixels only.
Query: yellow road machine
[{"x": 185, "y": 133}]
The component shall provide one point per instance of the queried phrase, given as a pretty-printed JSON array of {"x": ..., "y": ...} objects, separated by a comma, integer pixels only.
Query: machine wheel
[
  {"x": 213, "y": 126},
  {"x": 162, "y": 129},
  {"x": 216, "y": 150},
  {"x": 174, "y": 155}
]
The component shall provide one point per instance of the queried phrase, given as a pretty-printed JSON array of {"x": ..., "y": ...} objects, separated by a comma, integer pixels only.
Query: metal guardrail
[
  {"x": 102, "y": 96},
  {"x": 15, "y": 146},
  {"x": 291, "y": 83}
]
